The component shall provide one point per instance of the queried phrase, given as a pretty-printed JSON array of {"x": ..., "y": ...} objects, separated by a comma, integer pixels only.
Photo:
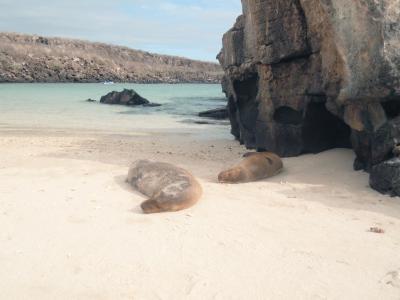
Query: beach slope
[{"x": 72, "y": 228}]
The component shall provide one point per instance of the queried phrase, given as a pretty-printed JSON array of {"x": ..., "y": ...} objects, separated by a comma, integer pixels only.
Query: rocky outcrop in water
[
  {"x": 309, "y": 75},
  {"x": 27, "y": 58},
  {"x": 126, "y": 97},
  {"x": 216, "y": 113}
]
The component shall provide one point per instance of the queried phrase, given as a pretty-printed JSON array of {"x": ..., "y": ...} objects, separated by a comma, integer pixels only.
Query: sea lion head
[{"x": 231, "y": 176}]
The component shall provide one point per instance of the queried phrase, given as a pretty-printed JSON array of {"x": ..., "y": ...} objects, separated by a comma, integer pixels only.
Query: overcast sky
[{"x": 191, "y": 28}]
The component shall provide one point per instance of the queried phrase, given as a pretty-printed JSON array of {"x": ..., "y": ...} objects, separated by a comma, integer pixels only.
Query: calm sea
[{"x": 64, "y": 106}]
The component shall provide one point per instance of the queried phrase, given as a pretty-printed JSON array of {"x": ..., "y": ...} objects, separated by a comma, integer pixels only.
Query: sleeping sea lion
[
  {"x": 255, "y": 166},
  {"x": 168, "y": 187}
]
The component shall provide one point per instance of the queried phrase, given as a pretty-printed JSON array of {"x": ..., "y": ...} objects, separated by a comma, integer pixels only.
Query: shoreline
[
  {"x": 196, "y": 132},
  {"x": 69, "y": 60},
  {"x": 72, "y": 228}
]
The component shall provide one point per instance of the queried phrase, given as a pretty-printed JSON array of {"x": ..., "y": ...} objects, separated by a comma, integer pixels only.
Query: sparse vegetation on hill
[{"x": 27, "y": 58}]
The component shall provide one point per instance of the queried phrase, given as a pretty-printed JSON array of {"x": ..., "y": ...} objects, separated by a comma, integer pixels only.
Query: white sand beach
[{"x": 71, "y": 228}]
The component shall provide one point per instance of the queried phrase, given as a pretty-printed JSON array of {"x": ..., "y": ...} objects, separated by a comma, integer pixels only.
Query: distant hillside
[{"x": 27, "y": 58}]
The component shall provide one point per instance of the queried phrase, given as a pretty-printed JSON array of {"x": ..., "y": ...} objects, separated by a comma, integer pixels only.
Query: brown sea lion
[
  {"x": 255, "y": 166},
  {"x": 168, "y": 187}
]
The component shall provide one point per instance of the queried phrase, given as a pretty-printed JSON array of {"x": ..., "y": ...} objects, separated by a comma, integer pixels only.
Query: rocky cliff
[
  {"x": 26, "y": 58},
  {"x": 310, "y": 75}
]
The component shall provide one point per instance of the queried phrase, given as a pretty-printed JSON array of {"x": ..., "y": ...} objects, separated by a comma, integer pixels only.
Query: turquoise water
[{"x": 64, "y": 106}]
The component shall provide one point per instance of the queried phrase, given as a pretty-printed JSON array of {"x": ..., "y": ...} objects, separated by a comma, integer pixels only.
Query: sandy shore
[{"x": 72, "y": 229}]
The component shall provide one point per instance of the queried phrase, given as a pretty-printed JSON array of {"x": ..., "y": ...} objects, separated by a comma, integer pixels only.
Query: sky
[{"x": 189, "y": 28}]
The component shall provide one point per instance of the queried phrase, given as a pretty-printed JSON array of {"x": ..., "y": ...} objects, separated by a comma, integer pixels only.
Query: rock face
[
  {"x": 385, "y": 177},
  {"x": 126, "y": 97},
  {"x": 309, "y": 75}
]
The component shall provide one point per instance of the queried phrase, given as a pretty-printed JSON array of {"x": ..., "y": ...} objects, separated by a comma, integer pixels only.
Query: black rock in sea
[
  {"x": 126, "y": 97},
  {"x": 217, "y": 113}
]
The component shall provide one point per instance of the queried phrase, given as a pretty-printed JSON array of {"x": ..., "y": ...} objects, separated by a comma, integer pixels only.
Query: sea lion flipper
[{"x": 150, "y": 206}]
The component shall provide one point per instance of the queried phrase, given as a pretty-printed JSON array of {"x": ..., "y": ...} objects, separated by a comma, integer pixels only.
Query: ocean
[{"x": 64, "y": 106}]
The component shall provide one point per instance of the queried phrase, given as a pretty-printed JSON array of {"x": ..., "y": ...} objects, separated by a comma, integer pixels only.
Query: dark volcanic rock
[
  {"x": 151, "y": 104},
  {"x": 218, "y": 113},
  {"x": 202, "y": 122},
  {"x": 126, "y": 97},
  {"x": 385, "y": 177},
  {"x": 309, "y": 75},
  {"x": 90, "y": 100},
  {"x": 374, "y": 147}
]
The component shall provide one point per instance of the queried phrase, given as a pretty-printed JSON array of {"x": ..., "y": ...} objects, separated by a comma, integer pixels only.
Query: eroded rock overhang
[{"x": 309, "y": 75}]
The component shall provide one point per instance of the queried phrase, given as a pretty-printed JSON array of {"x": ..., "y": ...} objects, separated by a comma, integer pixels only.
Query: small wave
[
  {"x": 205, "y": 122},
  {"x": 199, "y": 98},
  {"x": 141, "y": 112}
]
